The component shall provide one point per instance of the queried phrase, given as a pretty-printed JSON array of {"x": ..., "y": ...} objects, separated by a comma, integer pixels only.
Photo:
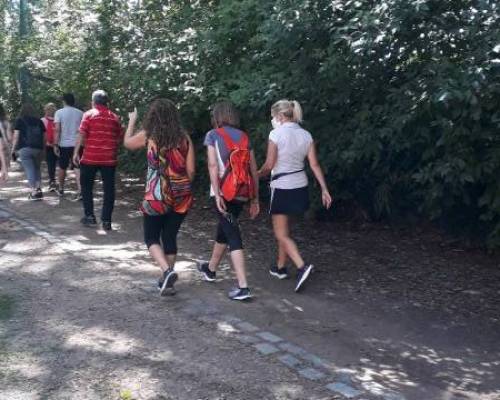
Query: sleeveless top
[{"x": 168, "y": 187}]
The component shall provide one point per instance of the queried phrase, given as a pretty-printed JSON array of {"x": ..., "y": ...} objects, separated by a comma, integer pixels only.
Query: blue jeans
[{"x": 31, "y": 160}]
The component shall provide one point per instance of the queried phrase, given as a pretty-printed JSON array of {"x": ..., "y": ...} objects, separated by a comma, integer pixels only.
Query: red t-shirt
[
  {"x": 50, "y": 128},
  {"x": 103, "y": 133}
]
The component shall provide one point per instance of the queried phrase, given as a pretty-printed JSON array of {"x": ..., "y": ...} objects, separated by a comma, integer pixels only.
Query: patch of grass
[
  {"x": 6, "y": 306},
  {"x": 126, "y": 394}
]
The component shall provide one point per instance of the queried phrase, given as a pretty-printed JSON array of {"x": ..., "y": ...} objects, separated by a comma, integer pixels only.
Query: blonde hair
[
  {"x": 50, "y": 106},
  {"x": 289, "y": 109}
]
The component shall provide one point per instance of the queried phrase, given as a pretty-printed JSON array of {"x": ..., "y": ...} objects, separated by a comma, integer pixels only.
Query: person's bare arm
[
  {"x": 80, "y": 142},
  {"x": 3, "y": 162},
  {"x": 131, "y": 141},
  {"x": 15, "y": 140},
  {"x": 254, "y": 205},
  {"x": 135, "y": 142},
  {"x": 318, "y": 173},
  {"x": 57, "y": 137},
  {"x": 213, "y": 170},
  {"x": 190, "y": 160},
  {"x": 272, "y": 156}
]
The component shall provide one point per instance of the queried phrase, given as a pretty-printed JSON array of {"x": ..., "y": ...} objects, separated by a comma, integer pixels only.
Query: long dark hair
[
  {"x": 162, "y": 124},
  {"x": 27, "y": 110}
]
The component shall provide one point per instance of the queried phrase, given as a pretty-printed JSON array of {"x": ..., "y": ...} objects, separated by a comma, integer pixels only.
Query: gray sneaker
[{"x": 240, "y": 294}]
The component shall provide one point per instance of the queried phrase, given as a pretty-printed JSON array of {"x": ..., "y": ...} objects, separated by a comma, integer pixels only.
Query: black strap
[{"x": 277, "y": 176}]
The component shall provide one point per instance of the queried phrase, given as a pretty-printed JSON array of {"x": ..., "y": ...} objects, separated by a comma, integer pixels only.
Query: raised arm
[
  {"x": 131, "y": 141},
  {"x": 318, "y": 173},
  {"x": 272, "y": 156}
]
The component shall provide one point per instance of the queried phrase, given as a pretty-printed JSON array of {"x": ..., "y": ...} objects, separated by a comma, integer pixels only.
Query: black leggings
[
  {"x": 51, "y": 162},
  {"x": 164, "y": 227},
  {"x": 228, "y": 228}
]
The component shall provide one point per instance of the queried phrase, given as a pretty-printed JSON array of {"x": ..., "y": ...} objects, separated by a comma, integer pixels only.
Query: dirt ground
[{"x": 388, "y": 314}]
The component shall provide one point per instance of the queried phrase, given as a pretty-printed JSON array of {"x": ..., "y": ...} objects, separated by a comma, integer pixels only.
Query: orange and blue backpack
[{"x": 236, "y": 182}]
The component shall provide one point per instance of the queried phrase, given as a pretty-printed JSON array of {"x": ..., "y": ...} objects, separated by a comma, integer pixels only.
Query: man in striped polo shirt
[{"x": 100, "y": 136}]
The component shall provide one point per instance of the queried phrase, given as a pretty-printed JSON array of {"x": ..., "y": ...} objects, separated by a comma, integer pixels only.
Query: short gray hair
[{"x": 100, "y": 97}]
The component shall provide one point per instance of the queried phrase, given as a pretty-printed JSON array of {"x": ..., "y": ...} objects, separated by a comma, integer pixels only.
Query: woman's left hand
[
  {"x": 326, "y": 198},
  {"x": 254, "y": 209}
]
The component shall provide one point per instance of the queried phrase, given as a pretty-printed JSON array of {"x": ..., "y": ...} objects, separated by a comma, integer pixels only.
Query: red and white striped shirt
[{"x": 103, "y": 133}]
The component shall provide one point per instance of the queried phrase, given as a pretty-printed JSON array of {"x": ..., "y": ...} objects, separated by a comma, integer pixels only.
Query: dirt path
[{"x": 80, "y": 317}]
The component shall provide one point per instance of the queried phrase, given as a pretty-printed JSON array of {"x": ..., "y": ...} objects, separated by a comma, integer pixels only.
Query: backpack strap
[{"x": 230, "y": 143}]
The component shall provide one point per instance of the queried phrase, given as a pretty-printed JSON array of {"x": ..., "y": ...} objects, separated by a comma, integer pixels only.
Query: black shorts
[
  {"x": 289, "y": 201},
  {"x": 66, "y": 157},
  {"x": 228, "y": 228}
]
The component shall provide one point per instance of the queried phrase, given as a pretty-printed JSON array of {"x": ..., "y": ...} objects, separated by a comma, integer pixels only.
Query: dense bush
[{"x": 402, "y": 95}]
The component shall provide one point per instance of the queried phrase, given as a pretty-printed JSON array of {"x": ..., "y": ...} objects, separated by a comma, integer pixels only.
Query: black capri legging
[
  {"x": 164, "y": 228},
  {"x": 228, "y": 228}
]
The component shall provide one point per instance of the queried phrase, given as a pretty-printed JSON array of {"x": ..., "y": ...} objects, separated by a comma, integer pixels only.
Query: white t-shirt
[
  {"x": 70, "y": 119},
  {"x": 293, "y": 144}
]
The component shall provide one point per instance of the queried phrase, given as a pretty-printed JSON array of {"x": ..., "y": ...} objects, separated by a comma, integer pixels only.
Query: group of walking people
[{"x": 170, "y": 157}]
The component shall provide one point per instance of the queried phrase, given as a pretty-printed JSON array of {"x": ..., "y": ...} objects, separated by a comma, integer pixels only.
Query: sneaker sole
[
  {"x": 168, "y": 285},
  {"x": 241, "y": 298},
  {"x": 304, "y": 278},
  {"x": 279, "y": 276},
  {"x": 205, "y": 275},
  {"x": 207, "y": 278}
]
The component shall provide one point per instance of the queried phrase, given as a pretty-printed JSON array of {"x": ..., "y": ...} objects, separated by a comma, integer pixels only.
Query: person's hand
[
  {"x": 57, "y": 150},
  {"x": 76, "y": 159},
  {"x": 326, "y": 198},
  {"x": 4, "y": 176},
  {"x": 221, "y": 205},
  {"x": 254, "y": 208},
  {"x": 132, "y": 117}
]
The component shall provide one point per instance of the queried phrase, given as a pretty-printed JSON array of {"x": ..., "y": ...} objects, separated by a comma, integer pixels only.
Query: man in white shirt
[{"x": 67, "y": 121}]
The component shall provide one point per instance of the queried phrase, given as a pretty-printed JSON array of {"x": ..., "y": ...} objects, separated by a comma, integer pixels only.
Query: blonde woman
[{"x": 288, "y": 147}]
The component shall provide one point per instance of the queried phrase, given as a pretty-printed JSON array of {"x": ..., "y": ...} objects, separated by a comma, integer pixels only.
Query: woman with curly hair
[{"x": 168, "y": 196}]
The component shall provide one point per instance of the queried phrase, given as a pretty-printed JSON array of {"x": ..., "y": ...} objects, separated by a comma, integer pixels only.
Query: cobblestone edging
[{"x": 266, "y": 344}]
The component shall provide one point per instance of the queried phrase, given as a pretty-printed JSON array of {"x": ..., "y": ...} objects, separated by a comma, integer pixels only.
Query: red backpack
[{"x": 237, "y": 182}]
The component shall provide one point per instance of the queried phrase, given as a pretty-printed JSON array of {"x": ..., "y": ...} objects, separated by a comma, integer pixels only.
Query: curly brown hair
[{"x": 162, "y": 124}]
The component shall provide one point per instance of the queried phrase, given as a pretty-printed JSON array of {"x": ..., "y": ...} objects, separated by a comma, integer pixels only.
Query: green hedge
[{"x": 403, "y": 96}]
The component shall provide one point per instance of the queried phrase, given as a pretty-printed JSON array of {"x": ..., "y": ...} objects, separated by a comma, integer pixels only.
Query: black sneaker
[
  {"x": 240, "y": 294},
  {"x": 208, "y": 275},
  {"x": 59, "y": 191},
  {"x": 302, "y": 275},
  {"x": 39, "y": 194},
  {"x": 88, "y": 220},
  {"x": 33, "y": 196},
  {"x": 280, "y": 273},
  {"x": 77, "y": 197},
  {"x": 106, "y": 225},
  {"x": 52, "y": 186},
  {"x": 166, "y": 285}
]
